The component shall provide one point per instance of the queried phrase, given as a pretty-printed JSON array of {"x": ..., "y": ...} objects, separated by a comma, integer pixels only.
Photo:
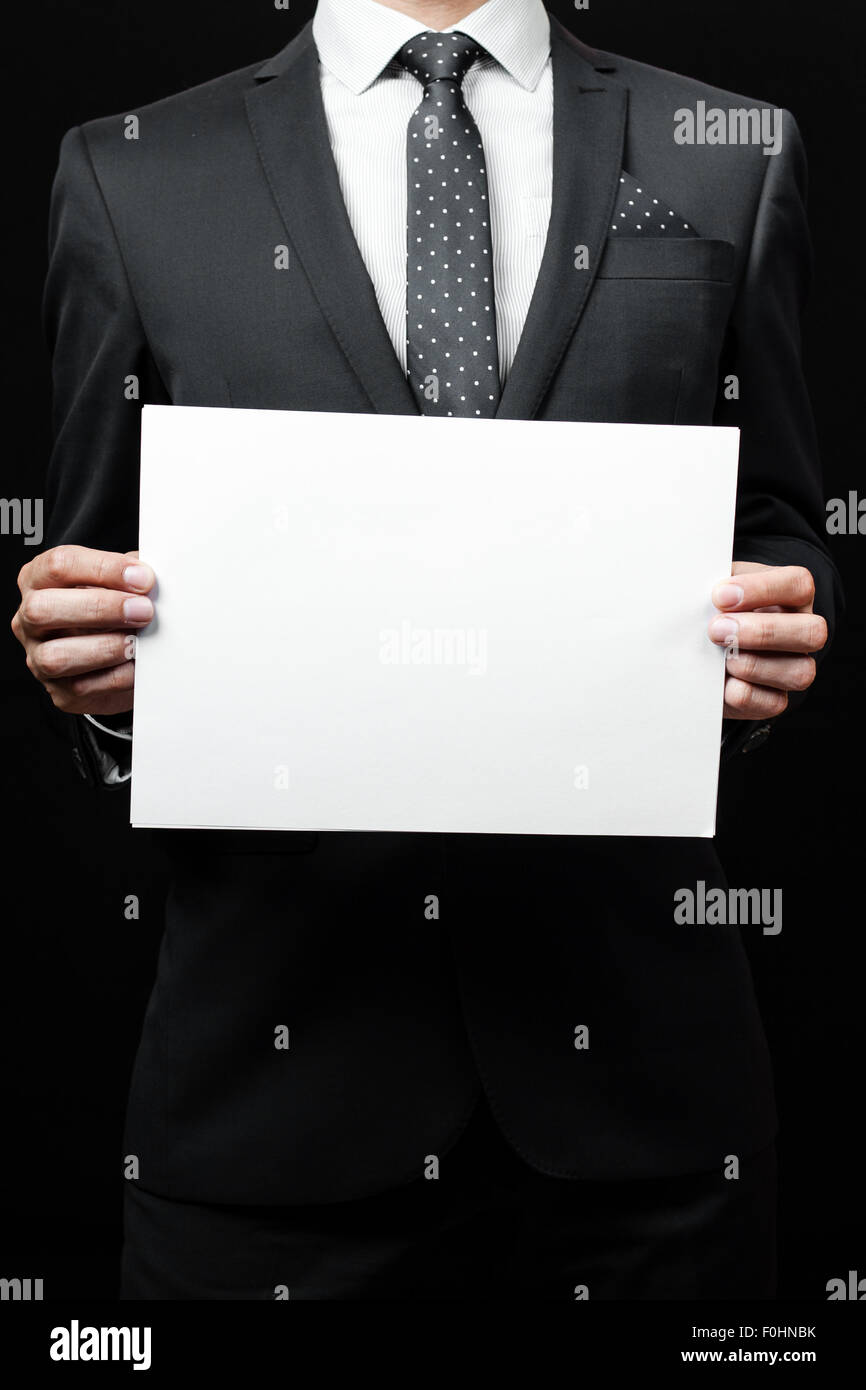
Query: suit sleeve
[
  {"x": 102, "y": 373},
  {"x": 780, "y": 507}
]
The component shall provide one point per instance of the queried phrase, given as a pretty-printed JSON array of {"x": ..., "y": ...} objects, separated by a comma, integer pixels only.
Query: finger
[
  {"x": 746, "y": 701},
  {"x": 780, "y": 672},
  {"x": 76, "y": 694},
  {"x": 63, "y": 657},
  {"x": 792, "y": 586},
  {"x": 47, "y": 610},
  {"x": 775, "y": 632},
  {"x": 65, "y": 566},
  {"x": 109, "y": 702}
]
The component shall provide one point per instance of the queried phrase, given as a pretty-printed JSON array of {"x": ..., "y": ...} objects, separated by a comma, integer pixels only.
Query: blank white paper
[{"x": 405, "y": 623}]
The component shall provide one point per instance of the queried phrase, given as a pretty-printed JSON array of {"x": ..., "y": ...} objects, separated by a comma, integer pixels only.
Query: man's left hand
[{"x": 767, "y": 621}]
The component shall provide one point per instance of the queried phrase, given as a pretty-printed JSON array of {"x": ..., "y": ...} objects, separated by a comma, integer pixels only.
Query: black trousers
[{"x": 486, "y": 1227}]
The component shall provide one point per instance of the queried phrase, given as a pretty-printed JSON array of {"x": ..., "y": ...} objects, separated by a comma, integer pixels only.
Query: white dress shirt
[{"x": 368, "y": 102}]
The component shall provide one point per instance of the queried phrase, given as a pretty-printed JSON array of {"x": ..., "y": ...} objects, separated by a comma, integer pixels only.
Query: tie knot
[{"x": 433, "y": 57}]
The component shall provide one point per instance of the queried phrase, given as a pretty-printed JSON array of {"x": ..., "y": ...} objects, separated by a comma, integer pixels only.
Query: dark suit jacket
[{"x": 162, "y": 266}]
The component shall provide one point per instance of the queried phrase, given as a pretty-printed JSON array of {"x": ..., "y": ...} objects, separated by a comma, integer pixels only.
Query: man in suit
[{"x": 553, "y": 1083}]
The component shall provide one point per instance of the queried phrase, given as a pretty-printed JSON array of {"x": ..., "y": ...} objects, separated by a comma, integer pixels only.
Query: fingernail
[
  {"x": 727, "y": 595},
  {"x": 138, "y": 577},
  {"x": 137, "y": 610},
  {"x": 723, "y": 628}
]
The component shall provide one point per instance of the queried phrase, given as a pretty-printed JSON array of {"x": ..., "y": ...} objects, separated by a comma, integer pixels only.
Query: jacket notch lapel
[
  {"x": 589, "y": 122},
  {"x": 287, "y": 118}
]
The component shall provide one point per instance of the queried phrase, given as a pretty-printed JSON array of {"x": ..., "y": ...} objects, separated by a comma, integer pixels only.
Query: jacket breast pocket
[
  {"x": 647, "y": 348},
  {"x": 667, "y": 258}
]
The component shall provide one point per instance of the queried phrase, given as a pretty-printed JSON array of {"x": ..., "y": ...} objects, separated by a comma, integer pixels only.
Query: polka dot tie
[{"x": 451, "y": 355}]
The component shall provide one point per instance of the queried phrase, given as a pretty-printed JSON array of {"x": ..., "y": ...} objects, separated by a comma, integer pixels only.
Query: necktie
[{"x": 452, "y": 359}]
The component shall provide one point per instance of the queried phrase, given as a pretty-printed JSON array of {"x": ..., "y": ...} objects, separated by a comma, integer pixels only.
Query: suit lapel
[
  {"x": 288, "y": 121},
  {"x": 589, "y": 117}
]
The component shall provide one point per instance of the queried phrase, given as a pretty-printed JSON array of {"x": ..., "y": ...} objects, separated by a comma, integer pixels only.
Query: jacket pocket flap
[{"x": 667, "y": 258}]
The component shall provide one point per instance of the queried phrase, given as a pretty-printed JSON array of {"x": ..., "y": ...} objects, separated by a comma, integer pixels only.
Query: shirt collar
[{"x": 356, "y": 39}]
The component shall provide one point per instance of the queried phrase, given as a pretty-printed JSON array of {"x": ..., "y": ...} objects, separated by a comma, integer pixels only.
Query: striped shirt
[{"x": 368, "y": 100}]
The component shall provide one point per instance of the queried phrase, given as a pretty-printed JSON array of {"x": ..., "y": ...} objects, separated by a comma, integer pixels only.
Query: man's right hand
[{"x": 80, "y": 610}]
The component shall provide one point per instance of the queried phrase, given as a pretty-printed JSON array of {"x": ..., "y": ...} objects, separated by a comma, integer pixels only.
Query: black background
[{"x": 77, "y": 973}]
